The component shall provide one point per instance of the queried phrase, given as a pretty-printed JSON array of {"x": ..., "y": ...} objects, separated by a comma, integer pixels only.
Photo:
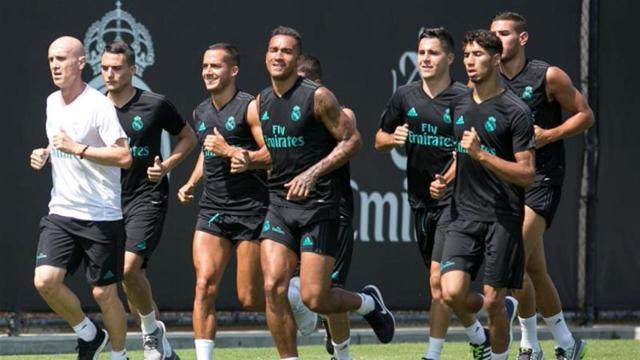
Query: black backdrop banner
[{"x": 367, "y": 50}]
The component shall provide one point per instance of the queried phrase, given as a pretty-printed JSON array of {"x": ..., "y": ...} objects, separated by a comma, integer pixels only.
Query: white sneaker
[{"x": 306, "y": 319}]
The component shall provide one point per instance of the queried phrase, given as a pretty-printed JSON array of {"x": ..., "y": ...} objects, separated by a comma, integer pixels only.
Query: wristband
[{"x": 83, "y": 151}]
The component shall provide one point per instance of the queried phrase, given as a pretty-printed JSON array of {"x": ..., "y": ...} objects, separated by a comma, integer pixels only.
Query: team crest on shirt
[
  {"x": 527, "y": 94},
  {"x": 490, "y": 124},
  {"x": 230, "y": 124},
  {"x": 296, "y": 113},
  {"x": 446, "y": 117},
  {"x": 137, "y": 123}
]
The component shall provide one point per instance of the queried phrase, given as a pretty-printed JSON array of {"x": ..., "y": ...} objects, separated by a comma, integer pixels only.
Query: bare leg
[
  {"x": 210, "y": 257},
  {"x": 278, "y": 264},
  {"x": 137, "y": 287},
  {"x": 48, "y": 280},
  {"x": 498, "y": 324},
  {"x": 249, "y": 278},
  {"x": 113, "y": 315}
]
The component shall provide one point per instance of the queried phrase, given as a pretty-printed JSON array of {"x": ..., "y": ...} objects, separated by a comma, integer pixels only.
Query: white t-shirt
[{"x": 83, "y": 189}]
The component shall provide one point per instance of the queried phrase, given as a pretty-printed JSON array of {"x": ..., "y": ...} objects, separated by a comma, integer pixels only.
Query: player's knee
[
  {"x": 436, "y": 286},
  {"x": 535, "y": 271},
  {"x": 131, "y": 275},
  {"x": 251, "y": 300},
  {"x": 206, "y": 287},
  {"x": 45, "y": 284},
  {"x": 314, "y": 299},
  {"x": 493, "y": 303},
  {"x": 104, "y": 294},
  {"x": 275, "y": 288}
]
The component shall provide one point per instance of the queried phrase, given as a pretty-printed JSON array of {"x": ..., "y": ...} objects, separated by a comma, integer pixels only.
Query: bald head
[
  {"x": 66, "y": 61},
  {"x": 69, "y": 44}
]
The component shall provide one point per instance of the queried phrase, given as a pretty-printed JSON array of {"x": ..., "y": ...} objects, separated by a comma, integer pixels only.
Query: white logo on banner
[{"x": 115, "y": 25}]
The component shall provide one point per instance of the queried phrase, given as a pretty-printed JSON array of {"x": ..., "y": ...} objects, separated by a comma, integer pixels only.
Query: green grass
[{"x": 598, "y": 350}]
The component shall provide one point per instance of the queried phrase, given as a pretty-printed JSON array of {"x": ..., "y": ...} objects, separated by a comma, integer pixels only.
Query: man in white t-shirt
[{"x": 87, "y": 147}]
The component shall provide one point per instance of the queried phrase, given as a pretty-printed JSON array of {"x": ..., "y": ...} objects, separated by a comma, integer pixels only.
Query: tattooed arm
[{"x": 341, "y": 124}]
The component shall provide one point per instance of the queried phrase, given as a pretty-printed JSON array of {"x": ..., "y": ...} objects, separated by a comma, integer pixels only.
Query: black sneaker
[
  {"x": 90, "y": 350},
  {"x": 576, "y": 352},
  {"x": 380, "y": 318},
  {"x": 327, "y": 336},
  {"x": 482, "y": 351}
]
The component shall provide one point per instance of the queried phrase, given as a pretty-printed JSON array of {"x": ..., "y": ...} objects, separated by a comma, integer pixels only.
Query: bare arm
[
  {"x": 117, "y": 154},
  {"x": 560, "y": 88},
  {"x": 186, "y": 143},
  {"x": 185, "y": 193},
  {"x": 261, "y": 158},
  {"x": 337, "y": 122},
  {"x": 521, "y": 172},
  {"x": 387, "y": 141}
]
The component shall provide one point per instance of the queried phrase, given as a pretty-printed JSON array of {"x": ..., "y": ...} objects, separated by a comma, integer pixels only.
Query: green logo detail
[
  {"x": 490, "y": 124},
  {"x": 265, "y": 116},
  {"x": 460, "y": 120},
  {"x": 201, "y": 127},
  {"x": 307, "y": 242},
  {"x": 278, "y": 229},
  {"x": 527, "y": 94},
  {"x": 108, "y": 275},
  {"x": 230, "y": 124},
  {"x": 141, "y": 245},
  {"x": 446, "y": 264},
  {"x": 213, "y": 219},
  {"x": 334, "y": 276},
  {"x": 296, "y": 113},
  {"x": 446, "y": 117},
  {"x": 137, "y": 124},
  {"x": 41, "y": 255},
  {"x": 266, "y": 226},
  {"x": 412, "y": 112}
]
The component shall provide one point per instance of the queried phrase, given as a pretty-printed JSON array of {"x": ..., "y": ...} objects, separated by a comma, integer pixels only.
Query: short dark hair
[
  {"x": 288, "y": 31},
  {"x": 485, "y": 38},
  {"x": 232, "y": 57},
  {"x": 121, "y": 47},
  {"x": 440, "y": 33},
  {"x": 310, "y": 66},
  {"x": 519, "y": 20}
]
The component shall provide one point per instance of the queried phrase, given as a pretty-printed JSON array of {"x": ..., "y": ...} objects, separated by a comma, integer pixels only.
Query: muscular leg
[
  {"x": 249, "y": 278},
  {"x": 455, "y": 292},
  {"x": 339, "y": 327},
  {"x": 498, "y": 324},
  {"x": 440, "y": 311},
  {"x": 210, "y": 257},
  {"x": 113, "y": 315},
  {"x": 278, "y": 264},
  {"x": 315, "y": 286},
  {"x": 137, "y": 287},
  {"x": 533, "y": 227},
  {"x": 48, "y": 280}
]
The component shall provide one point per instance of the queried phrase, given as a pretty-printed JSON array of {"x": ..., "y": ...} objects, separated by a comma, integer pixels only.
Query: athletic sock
[
  {"x": 367, "y": 305},
  {"x": 475, "y": 333},
  {"x": 148, "y": 322},
  {"x": 529, "y": 338},
  {"x": 119, "y": 355},
  {"x": 435, "y": 348},
  {"x": 86, "y": 330},
  {"x": 204, "y": 349},
  {"x": 560, "y": 331},
  {"x": 502, "y": 356},
  {"x": 341, "y": 351}
]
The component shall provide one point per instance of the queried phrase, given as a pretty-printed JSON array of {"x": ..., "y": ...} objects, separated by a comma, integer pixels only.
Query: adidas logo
[
  {"x": 202, "y": 127},
  {"x": 412, "y": 112},
  {"x": 141, "y": 245},
  {"x": 41, "y": 255},
  {"x": 460, "y": 120},
  {"x": 265, "y": 116},
  {"x": 108, "y": 275},
  {"x": 334, "y": 276},
  {"x": 307, "y": 241}
]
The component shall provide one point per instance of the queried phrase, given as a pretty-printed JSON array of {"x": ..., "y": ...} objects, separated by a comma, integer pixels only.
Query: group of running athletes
[{"x": 485, "y": 165}]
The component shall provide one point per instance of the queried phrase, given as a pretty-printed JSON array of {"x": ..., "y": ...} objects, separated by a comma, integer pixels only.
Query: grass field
[{"x": 598, "y": 350}]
